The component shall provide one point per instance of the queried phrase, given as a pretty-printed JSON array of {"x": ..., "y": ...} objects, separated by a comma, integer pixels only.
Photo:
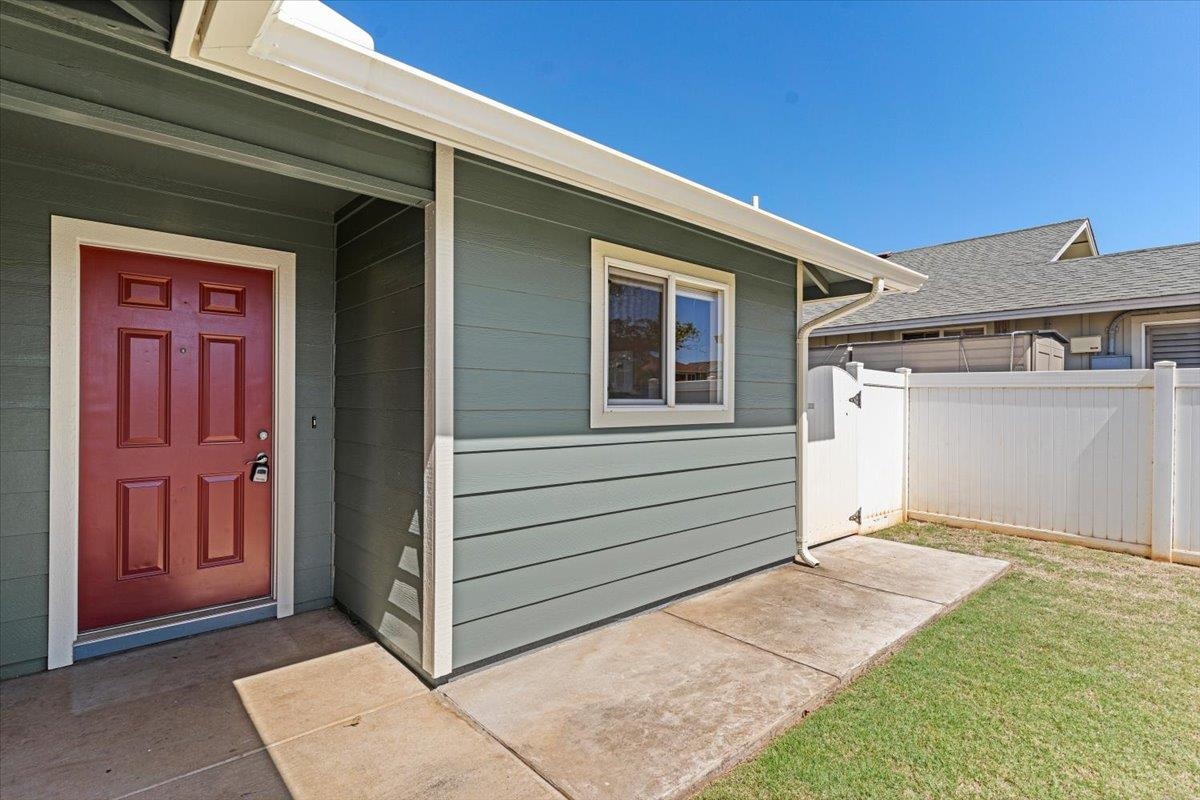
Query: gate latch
[
  {"x": 857, "y": 399},
  {"x": 856, "y": 517}
]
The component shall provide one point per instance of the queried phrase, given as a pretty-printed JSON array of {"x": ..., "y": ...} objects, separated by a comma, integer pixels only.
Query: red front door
[{"x": 175, "y": 386}]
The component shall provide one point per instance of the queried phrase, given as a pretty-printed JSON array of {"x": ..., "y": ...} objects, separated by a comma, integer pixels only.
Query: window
[
  {"x": 662, "y": 340},
  {"x": 976, "y": 330}
]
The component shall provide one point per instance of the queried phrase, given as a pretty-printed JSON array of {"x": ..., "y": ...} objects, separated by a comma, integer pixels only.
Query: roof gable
[{"x": 1008, "y": 272}]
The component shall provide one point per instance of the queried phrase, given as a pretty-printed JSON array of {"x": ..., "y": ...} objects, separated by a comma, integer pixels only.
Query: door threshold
[{"x": 173, "y": 626}]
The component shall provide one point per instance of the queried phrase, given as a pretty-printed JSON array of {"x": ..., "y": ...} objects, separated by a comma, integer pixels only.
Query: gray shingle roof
[{"x": 1011, "y": 271}]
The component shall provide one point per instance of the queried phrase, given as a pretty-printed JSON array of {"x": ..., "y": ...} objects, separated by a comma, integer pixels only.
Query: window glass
[
  {"x": 636, "y": 312},
  {"x": 698, "y": 367}
]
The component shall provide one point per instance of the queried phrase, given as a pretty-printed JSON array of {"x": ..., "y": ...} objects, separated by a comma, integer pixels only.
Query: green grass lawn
[{"x": 1076, "y": 675}]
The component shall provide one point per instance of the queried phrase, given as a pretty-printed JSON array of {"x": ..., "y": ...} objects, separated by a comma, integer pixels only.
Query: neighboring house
[
  {"x": 286, "y": 323},
  {"x": 1139, "y": 306}
]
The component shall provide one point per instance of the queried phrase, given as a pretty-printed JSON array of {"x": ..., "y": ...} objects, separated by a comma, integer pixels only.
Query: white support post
[
  {"x": 1163, "y": 480},
  {"x": 438, "y": 529},
  {"x": 906, "y": 372}
]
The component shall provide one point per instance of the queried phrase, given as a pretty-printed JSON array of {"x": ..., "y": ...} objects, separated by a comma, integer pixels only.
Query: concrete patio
[{"x": 309, "y": 708}]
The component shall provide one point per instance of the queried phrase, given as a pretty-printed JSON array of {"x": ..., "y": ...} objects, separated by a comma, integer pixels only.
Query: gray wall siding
[
  {"x": 379, "y": 399},
  {"x": 558, "y": 526},
  {"x": 31, "y": 196},
  {"x": 117, "y": 181}
]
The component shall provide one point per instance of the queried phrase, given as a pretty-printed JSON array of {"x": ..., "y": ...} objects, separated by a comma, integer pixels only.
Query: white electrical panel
[{"x": 1085, "y": 344}]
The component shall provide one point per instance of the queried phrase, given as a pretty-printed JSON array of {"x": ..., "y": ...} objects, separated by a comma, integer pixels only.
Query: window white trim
[
  {"x": 66, "y": 236},
  {"x": 606, "y": 255}
]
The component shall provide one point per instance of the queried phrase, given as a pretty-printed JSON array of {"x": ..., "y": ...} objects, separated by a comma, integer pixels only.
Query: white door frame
[{"x": 66, "y": 236}]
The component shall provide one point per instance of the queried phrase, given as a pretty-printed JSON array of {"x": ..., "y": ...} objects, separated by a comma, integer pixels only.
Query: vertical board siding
[
  {"x": 378, "y": 460},
  {"x": 1050, "y": 453},
  {"x": 556, "y": 526},
  {"x": 1187, "y": 467}
]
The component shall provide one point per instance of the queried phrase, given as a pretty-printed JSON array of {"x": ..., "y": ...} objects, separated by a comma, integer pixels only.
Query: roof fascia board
[
  {"x": 268, "y": 44},
  {"x": 1148, "y": 303}
]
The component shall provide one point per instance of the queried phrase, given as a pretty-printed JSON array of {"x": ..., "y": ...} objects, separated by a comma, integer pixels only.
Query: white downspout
[{"x": 803, "y": 556}]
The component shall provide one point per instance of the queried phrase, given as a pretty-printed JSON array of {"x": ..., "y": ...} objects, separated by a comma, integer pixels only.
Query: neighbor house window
[
  {"x": 943, "y": 333},
  {"x": 662, "y": 340}
]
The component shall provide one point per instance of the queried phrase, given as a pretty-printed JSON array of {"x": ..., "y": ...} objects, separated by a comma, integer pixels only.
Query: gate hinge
[
  {"x": 857, "y": 399},
  {"x": 857, "y": 516}
]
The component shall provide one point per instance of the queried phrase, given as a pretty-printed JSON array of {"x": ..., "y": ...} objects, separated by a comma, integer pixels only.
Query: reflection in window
[
  {"x": 698, "y": 378},
  {"x": 636, "y": 310}
]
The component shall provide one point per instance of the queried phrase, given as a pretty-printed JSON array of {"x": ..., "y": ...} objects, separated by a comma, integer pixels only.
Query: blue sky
[{"x": 886, "y": 125}]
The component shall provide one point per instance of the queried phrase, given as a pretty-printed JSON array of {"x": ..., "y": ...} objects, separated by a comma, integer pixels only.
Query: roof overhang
[
  {"x": 1129, "y": 304},
  {"x": 305, "y": 49}
]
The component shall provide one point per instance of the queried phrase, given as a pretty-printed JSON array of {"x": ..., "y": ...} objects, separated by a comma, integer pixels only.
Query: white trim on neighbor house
[
  {"x": 608, "y": 258},
  {"x": 66, "y": 236},
  {"x": 1131, "y": 304},
  {"x": 1138, "y": 331},
  {"x": 304, "y": 49},
  {"x": 1086, "y": 230},
  {"x": 437, "y": 602}
]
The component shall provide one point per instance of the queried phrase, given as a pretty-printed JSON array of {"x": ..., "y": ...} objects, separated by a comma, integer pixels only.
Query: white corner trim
[
  {"x": 437, "y": 577},
  {"x": 282, "y": 46},
  {"x": 604, "y": 415},
  {"x": 66, "y": 236}
]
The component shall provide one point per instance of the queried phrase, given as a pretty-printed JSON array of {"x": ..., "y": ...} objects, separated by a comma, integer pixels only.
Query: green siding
[
  {"x": 558, "y": 527},
  {"x": 379, "y": 398},
  {"x": 51, "y": 168},
  {"x": 31, "y": 196}
]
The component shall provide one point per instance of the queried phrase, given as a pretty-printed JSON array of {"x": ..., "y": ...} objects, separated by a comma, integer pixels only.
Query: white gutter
[
  {"x": 305, "y": 49},
  {"x": 803, "y": 555}
]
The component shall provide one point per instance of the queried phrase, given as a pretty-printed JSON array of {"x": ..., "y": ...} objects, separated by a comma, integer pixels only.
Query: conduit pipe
[{"x": 803, "y": 556}]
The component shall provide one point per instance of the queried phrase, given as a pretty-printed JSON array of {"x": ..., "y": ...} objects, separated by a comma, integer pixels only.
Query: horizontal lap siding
[
  {"x": 177, "y": 195},
  {"x": 558, "y": 527},
  {"x": 31, "y": 197},
  {"x": 379, "y": 399}
]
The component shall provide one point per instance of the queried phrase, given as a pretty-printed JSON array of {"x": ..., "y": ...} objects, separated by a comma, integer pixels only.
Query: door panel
[{"x": 176, "y": 381}]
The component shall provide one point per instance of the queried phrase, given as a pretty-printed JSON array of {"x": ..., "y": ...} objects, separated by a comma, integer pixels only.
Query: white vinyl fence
[
  {"x": 1110, "y": 459},
  {"x": 856, "y": 451}
]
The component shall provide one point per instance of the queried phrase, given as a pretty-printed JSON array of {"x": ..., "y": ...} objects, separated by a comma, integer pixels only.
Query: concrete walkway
[{"x": 307, "y": 707}]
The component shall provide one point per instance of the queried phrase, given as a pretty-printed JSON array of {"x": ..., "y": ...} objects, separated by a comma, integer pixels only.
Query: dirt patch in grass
[{"x": 1077, "y": 675}]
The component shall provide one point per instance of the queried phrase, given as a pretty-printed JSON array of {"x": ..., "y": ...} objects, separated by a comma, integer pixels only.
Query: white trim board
[
  {"x": 66, "y": 236},
  {"x": 437, "y": 576}
]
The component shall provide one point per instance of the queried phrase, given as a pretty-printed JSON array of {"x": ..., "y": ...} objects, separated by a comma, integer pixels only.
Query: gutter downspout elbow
[{"x": 803, "y": 555}]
